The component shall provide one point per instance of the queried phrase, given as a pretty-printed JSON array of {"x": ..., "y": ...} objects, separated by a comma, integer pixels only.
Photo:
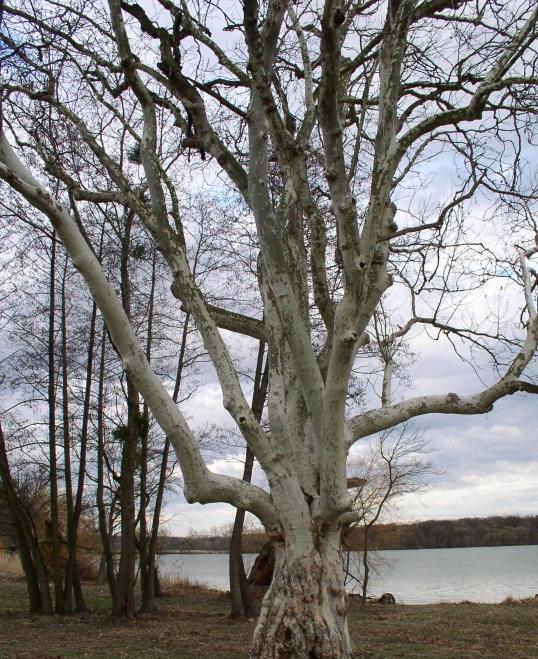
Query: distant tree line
[
  {"x": 431, "y": 534},
  {"x": 218, "y": 540},
  {"x": 468, "y": 532}
]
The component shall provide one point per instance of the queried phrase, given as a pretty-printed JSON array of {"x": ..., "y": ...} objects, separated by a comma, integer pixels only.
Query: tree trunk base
[{"x": 304, "y": 613}]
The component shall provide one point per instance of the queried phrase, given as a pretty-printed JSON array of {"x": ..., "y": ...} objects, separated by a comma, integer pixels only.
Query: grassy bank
[{"x": 192, "y": 624}]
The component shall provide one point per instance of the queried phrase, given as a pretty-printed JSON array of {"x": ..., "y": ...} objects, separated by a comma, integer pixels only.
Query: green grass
[{"x": 192, "y": 623}]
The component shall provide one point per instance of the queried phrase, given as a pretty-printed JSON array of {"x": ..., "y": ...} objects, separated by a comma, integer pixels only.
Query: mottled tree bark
[
  {"x": 304, "y": 613},
  {"x": 319, "y": 175}
]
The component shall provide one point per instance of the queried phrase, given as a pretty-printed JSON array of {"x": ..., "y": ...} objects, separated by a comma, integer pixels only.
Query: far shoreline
[{"x": 406, "y": 549}]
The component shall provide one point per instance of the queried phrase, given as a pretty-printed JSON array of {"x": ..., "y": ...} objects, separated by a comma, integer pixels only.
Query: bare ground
[{"x": 192, "y": 623}]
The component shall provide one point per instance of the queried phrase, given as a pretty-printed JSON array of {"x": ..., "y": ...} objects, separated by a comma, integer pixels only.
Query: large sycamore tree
[{"x": 325, "y": 121}]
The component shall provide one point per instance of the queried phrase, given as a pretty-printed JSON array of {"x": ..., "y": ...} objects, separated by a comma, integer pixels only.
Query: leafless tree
[
  {"x": 393, "y": 465},
  {"x": 325, "y": 122}
]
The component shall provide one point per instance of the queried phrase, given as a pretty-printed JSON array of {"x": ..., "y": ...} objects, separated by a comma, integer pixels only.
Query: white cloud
[
  {"x": 205, "y": 407},
  {"x": 509, "y": 490}
]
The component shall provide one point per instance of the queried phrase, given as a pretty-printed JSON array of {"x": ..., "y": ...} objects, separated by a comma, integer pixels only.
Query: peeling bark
[{"x": 304, "y": 613}]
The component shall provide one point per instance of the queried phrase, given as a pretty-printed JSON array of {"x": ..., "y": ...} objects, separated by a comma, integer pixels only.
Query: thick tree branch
[
  {"x": 278, "y": 258},
  {"x": 479, "y": 403}
]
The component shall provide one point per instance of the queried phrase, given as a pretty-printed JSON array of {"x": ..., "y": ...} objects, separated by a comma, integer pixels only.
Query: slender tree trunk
[
  {"x": 100, "y": 496},
  {"x": 67, "y": 449},
  {"x": 39, "y": 563},
  {"x": 72, "y": 577},
  {"x": 304, "y": 613},
  {"x": 101, "y": 577},
  {"x": 80, "y": 604},
  {"x": 366, "y": 536},
  {"x": 30, "y": 573},
  {"x": 35, "y": 572},
  {"x": 72, "y": 564},
  {"x": 74, "y": 505},
  {"x": 366, "y": 567},
  {"x": 249, "y": 605},
  {"x": 55, "y": 539},
  {"x": 147, "y": 587},
  {"x": 124, "y": 601},
  {"x": 157, "y": 589},
  {"x": 146, "y": 579},
  {"x": 154, "y": 535},
  {"x": 241, "y": 600},
  {"x": 72, "y": 583}
]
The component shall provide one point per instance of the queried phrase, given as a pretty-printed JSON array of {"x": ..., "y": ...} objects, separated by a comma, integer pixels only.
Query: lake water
[{"x": 419, "y": 576}]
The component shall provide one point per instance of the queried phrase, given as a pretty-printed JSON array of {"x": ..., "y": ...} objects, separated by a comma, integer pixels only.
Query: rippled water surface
[{"x": 419, "y": 576}]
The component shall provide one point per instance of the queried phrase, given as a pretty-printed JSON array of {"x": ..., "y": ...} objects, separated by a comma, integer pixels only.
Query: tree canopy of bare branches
[{"x": 379, "y": 156}]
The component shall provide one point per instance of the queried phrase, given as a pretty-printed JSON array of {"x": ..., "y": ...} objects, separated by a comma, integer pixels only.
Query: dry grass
[
  {"x": 448, "y": 631},
  {"x": 192, "y": 623},
  {"x": 10, "y": 566},
  {"x": 174, "y": 584}
]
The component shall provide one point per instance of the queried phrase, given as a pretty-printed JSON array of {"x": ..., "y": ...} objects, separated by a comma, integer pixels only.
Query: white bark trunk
[{"x": 304, "y": 613}]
